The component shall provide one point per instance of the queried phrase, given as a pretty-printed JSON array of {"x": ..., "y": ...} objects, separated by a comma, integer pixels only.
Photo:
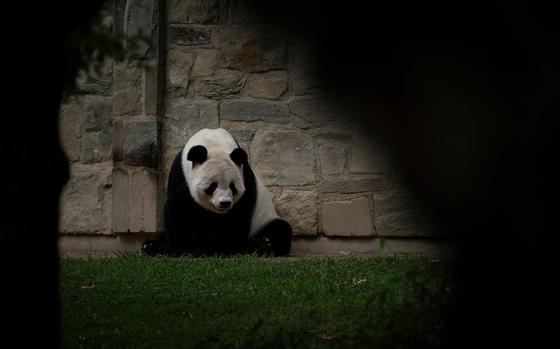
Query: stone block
[
  {"x": 333, "y": 158},
  {"x": 150, "y": 202},
  {"x": 253, "y": 111},
  {"x": 304, "y": 74},
  {"x": 183, "y": 118},
  {"x": 307, "y": 84},
  {"x": 93, "y": 85},
  {"x": 98, "y": 114},
  {"x": 141, "y": 143},
  {"x": 205, "y": 63},
  {"x": 151, "y": 89},
  {"x": 70, "y": 124},
  {"x": 271, "y": 85},
  {"x": 242, "y": 135},
  {"x": 142, "y": 202},
  {"x": 284, "y": 157},
  {"x": 251, "y": 50},
  {"x": 118, "y": 140},
  {"x": 368, "y": 157},
  {"x": 316, "y": 110},
  {"x": 227, "y": 84},
  {"x": 96, "y": 146},
  {"x": 188, "y": 36},
  {"x": 127, "y": 90},
  {"x": 179, "y": 65},
  {"x": 347, "y": 218},
  {"x": 347, "y": 186},
  {"x": 120, "y": 196},
  {"x": 141, "y": 18},
  {"x": 299, "y": 208},
  {"x": 398, "y": 215},
  {"x": 197, "y": 11},
  {"x": 328, "y": 136},
  {"x": 86, "y": 200}
]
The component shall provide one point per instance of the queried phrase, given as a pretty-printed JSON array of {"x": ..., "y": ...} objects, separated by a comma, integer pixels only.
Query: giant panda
[{"x": 216, "y": 205}]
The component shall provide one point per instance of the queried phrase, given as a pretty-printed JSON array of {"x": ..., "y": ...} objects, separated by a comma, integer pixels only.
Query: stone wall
[{"x": 216, "y": 64}]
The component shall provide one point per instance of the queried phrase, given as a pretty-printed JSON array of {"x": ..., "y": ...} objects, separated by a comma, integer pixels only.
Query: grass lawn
[{"x": 133, "y": 301}]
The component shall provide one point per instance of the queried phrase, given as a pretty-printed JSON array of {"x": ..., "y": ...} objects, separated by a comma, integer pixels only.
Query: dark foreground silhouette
[{"x": 465, "y": 95}]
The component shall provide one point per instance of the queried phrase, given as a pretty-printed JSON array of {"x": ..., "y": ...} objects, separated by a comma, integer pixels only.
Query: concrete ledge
[
  {"x": 324, "y": 246},
  {"x": 99, "y": 246},
  {"x": 105, "y": 246}
]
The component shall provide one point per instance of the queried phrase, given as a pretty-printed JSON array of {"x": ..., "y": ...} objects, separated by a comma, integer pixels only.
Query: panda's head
[{"x": 216, "y": 178}]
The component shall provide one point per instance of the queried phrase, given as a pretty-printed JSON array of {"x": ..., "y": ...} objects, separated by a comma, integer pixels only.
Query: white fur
[
  {"x": 264, "y": 208},
  {"x": 217, "y": 168}
]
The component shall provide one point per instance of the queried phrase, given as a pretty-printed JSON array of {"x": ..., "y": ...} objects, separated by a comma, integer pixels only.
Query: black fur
[
  {"x": 239, "y": 156},
  {"x": 191, "y": 229},
  {"x": 197, "y": 154}
]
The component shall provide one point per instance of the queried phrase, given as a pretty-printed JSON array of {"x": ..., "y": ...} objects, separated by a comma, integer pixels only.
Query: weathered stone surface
[
  {"x": 242, "y": 135},
  {"x": 86, "y": 200},
  {"x": 304, "y": 75},
  {"x": 119, "y": 7},
  {"x": 142, "y": 201},
  {"x": 347, "y": 218},
  {"x": 135, "y": 201},
  {"x": 307, "y": 84},
  {"x": 141, "y": 144},
  {"x": 284, "y": 157},
  {"x": 205, "y": 63},
  {"x": 118, "y": 140},
  {"x": 183, "y": 118},
  {"x": 100, "y": 245},
  {"x": 396, "y": 214},
  {"x": 152, "y": 89},
  {"x": 188, "y": 36},
  {"x": 253, "y": 111},
  {"x": 94, "y": 85},
  {"x": 271, "y": 85},
  {"x": 299, "y": 208},
  {"x": 333, "y": 158},
  {"x": 97, "y": 137},
  {"x": 333, "y": 246},
  {"x": 179, "y": 65},
  {"x": 168, "y": 158},
  {"x": 141, "y": 17},
  {"x": 251, "y": 50},
  {"x": 96, "y": 146},
  {"x": 227, "y": 84},
  {"x": 326, "y": 137},
  {"x": 120, "y": 194},
  {"x": 127, "y": 90},
  {"x": 375, "y": 183},
  {"x": 70, "y": 125},
  {"x": 98, "y": 114},
  {"x": 197, "y": 11},
  {"x": 367, "y": 157},
  {"x": 315, "y": 110},
  {"x": 97, "y": 82}
]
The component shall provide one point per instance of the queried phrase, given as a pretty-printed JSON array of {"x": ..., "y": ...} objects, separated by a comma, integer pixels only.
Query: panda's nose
[{"x": 225, "y": 204}]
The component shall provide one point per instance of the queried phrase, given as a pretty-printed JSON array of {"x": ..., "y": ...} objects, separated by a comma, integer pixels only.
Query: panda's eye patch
[
  {"x": 211, "y": 188},
  {"x": 233, "y": 188}
]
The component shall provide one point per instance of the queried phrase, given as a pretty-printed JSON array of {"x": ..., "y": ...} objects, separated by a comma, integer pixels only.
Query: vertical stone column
[{"x": 137, "y": 100}]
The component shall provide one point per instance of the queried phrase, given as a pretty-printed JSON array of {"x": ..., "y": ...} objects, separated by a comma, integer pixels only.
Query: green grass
[{"x": 134, "y": 301}]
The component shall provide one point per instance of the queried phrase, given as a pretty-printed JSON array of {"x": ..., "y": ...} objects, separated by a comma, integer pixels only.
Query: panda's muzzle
[{"x": 225, "y": 204}]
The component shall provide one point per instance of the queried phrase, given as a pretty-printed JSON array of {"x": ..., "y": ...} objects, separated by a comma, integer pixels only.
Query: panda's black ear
[
  {"x": 239, "y": 156},
  {"x": 197, "y": 154}
]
